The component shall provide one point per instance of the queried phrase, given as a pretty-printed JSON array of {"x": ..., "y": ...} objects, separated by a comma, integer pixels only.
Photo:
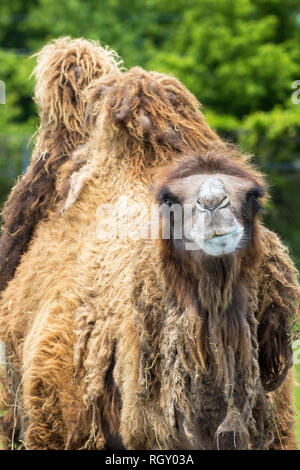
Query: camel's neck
[
  {"x": 217, "y": 281},
  {"x": 220, "y": 338},
  {"x": 204, "y": 336},
  {"x": 208, "y": 285}
]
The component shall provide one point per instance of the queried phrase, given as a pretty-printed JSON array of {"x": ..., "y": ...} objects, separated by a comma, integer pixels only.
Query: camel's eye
[
  {"x": 168, "y": 201},
  {"x": 166, "y": 197}
]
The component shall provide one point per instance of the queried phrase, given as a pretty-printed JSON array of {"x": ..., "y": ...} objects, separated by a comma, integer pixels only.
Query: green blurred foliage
[{"x": 239, "y": 58}]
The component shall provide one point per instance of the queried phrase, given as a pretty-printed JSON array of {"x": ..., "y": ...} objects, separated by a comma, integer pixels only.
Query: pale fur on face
[{"x": 210, "y": 207}]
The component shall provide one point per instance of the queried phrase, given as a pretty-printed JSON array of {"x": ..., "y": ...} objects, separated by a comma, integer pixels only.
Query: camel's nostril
[
  {"x": 215, "y": 203},
  {"x": 211, "y": 195}
]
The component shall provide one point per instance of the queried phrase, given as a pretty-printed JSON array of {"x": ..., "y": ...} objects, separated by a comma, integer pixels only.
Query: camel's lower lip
[
  {"x": 216, "y": 238},
  {"x": 219, "y": 238},
  {"x": 218, "y": 244},
  {"x": 222, "y": 238}
]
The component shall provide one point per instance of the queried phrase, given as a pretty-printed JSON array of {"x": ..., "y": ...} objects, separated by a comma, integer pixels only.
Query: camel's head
[{"x": 211, "y": 203}]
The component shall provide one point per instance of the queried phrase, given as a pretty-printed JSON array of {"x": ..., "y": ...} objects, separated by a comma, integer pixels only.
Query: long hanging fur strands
[{"x": 64, "y": 69}]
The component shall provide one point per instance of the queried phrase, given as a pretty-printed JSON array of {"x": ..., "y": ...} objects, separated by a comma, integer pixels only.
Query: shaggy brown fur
[
  {"x": 147, "y": 119},
  {"x": 65, "y": 68},
  {"x": 278, "y": 316},
  {"x": 228, "y": 298},
  {"x": 112, "y": 350}
]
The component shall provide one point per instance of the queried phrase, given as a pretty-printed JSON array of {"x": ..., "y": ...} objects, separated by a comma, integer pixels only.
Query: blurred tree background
[{"x": 239, "y": 57}]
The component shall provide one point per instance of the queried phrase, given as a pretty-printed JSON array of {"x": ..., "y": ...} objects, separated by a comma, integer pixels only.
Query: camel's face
[{"x": 211, "y": 212}]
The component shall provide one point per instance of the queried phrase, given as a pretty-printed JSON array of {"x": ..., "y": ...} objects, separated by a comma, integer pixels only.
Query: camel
[{"x": 144, "y": 344}]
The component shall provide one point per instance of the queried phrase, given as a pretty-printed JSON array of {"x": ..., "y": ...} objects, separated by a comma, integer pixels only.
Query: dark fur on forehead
[{"x": 218, "y": 160}]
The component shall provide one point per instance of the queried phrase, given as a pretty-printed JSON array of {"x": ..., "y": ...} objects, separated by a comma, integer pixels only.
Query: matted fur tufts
[
  {"x": 152, "y": 108},
  {"x": 142, "y": 120},
  {"x": 64, "y": 69}
]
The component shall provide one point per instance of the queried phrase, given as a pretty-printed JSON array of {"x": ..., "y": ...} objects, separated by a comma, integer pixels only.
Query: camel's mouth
[
  {"x": 221, "y": 244},
  {"x": 217, "y": 244}
]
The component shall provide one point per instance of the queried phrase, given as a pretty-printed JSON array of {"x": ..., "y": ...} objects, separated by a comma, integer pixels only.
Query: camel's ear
[{"x": 278, "y": 315}]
